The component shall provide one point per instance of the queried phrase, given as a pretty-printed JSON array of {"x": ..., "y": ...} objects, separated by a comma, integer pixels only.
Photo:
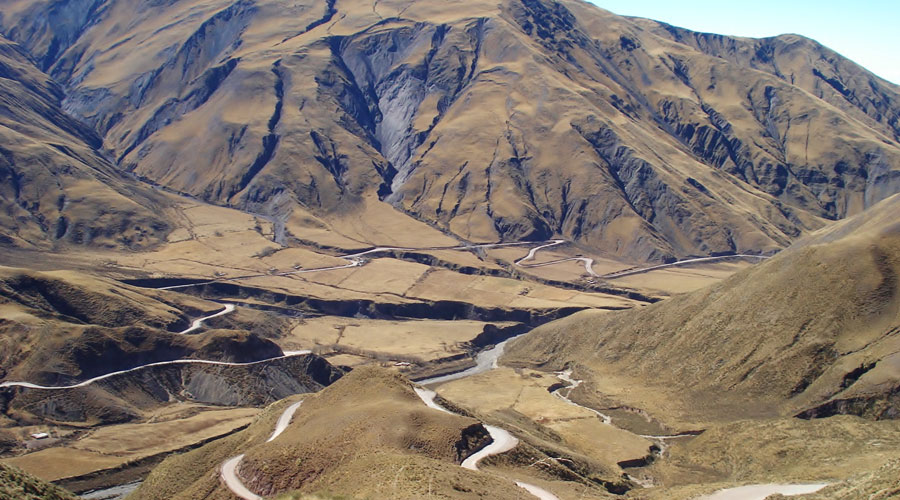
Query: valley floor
[{"x": 420, "y": 309}]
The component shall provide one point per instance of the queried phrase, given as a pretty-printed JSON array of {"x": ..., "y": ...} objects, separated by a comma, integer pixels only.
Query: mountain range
[
  {"x": 511, "y": 120},
  {"x": 412, "y": 248}
]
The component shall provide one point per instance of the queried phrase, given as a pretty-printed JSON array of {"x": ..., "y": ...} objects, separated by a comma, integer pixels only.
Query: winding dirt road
[
  {"x": 763, "y": 491},
  {"x": 357, "y": 259},
  {"x": 198, "y": 323},
  {"x": 229, "y": 476},
  {"x": 284, "y": 420},
  {"x": 228, "y": 471},
  {"x": 287, "y": 354},
  {"x": 501, "y": 442},
  {"x": 698, "y": 260},
  {"x": 588, "y": 262}
]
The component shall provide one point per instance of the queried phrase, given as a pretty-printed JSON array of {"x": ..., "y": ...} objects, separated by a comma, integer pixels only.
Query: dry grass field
[
  {"x": 422, "y": 339},
  {"x": 525, "y": 392},
  {"x": 248, "y": 146},
  {"x": 173, "y": 428},
  {"x": 681, "y": 279}
]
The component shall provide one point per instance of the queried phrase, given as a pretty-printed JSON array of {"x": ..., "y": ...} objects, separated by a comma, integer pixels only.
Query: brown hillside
[
  {"x": 62, "y": 327},
  {"x": 519, "y": 119},
  {"x": 17, "y": 485},
  {"x": 55, "y": 187},
  {"x": 366, "y": 436},
  {"x": 813, "y": 330}
]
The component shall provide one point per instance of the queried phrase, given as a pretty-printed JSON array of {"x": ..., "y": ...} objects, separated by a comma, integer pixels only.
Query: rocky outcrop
[{"x": 878, "y": 406}]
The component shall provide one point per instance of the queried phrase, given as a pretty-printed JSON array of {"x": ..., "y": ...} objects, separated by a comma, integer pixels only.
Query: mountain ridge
[{"x": 679, "y": 143}]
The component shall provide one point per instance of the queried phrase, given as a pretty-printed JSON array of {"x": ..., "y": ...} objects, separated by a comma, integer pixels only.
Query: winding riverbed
[{"x": 484, "y": 361}]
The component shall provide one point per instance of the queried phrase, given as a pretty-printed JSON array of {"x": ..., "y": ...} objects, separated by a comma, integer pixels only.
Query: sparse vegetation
[
  {"x": 17, "y": 485},
  {"x": 141, "y": 142},
  {"x": 266, "y": 252}
]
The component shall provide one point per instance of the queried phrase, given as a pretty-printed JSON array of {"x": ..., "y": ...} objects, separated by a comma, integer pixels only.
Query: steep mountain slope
[
  {"x": 54, "y": 186},
  {"x": 17, "y": 485},
  {"x": 517, "y": 120},
  {"x": 63, "y": 327},
  {"x": 812, "y": 331}
]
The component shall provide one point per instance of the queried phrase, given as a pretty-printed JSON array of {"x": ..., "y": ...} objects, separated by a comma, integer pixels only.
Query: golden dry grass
[
  {"x": 772, "y": 339},
  {"x": 525, "y": 392},
  {"x": 114, "y": 445},
  {"x": 18, "y": 485},
  {"x": 366, "y": 436},
  {"x": 424, "y": 339}
]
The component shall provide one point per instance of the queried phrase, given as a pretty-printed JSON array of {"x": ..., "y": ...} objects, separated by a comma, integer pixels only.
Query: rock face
[
  {"x": 515, "y": 120},
  {"x": 125, "y": 397}
]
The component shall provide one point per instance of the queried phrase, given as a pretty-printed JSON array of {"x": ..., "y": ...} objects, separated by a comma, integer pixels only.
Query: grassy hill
[
  {"x": 366, "y": 436},
  {"x": 62, "y": 326},
  {"x": 17, "y": 485},
  {"x": 813, "y": 329}
]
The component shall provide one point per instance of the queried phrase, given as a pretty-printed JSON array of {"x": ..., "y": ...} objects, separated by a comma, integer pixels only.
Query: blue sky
[{"x": 866, "y": 31}]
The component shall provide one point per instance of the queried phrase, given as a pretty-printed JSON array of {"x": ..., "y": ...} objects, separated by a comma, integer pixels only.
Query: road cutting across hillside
[
  {"x": 358, "y": 259},
  {"x": 502, "y": 441},
  {"x": 286, "y": 354},
  {"x": 198, "y": 323}
]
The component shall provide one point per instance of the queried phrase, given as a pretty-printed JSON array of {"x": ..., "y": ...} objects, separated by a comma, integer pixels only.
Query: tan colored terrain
[
  {"x": 61, "y": 326},
  {"x": 813, "y": 327},
  {"x": 56, "y": 189},
  {"x": 17, "y": 485},
  {"x": 367, "y": 436},
  {"x": 511, "y": 120},
  {"x": 115, "y": 445},
  {"x": 243, "y": 152},
  {"x": 810, "y": 333},
  {"x": 426, "y": 340},
  {"x": 502, "y": 392}
]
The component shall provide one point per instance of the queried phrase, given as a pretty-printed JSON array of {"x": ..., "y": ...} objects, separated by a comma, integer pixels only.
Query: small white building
[{"x": 40, "y": 435}]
